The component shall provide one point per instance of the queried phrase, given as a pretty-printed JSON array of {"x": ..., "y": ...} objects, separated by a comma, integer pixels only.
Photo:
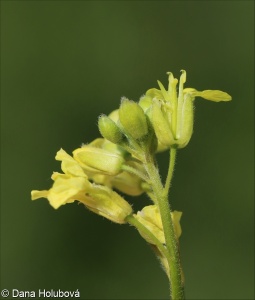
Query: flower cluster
[{"x": 162, "y": 119}]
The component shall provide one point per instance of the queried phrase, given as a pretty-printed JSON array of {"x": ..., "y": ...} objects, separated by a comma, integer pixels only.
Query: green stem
[
  {"x": 161, "y": 195},
  {"x": 135, "y": 172},
  {"x": 170, "y": 173}
]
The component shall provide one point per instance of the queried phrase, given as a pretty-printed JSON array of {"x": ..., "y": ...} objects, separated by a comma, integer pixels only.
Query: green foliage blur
[{"x": 63, "y": 63}]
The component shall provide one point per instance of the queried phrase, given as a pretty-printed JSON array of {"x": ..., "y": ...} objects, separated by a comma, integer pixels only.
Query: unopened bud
[
  {"x": 109, "y": 129},
  {"x": 133, "y": 119},
  {"x": 98, "y": 160},
  {"x": 109, "y": 204}
]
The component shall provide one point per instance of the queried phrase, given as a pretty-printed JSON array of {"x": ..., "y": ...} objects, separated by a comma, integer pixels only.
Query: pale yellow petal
[
  {"x": 67, "y": 190},
  {"x": 154, "y": 93},
  {"x": 150, "y": 218},
  {"x": 212, "y": 95},
  {"x": 39, "y": 194},
  {"x": 69, "y": 165},
  {"x": 155, "y": 230}
]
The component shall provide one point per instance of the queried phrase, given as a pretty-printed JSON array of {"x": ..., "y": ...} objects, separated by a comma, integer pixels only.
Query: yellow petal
[
  {"x": 66, "y": 189},
  {"x": 150, "y": 218},
  {"x": 69, "y": 165},
  {"x": 39, "y": 194},
  {"x": 154, "y": 93},
  {"x": 214, "y": 95}
]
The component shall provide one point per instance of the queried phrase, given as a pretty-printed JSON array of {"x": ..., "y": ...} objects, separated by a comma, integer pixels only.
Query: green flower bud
[
  {"x": 133, "y": 119},
  {"x": 114, "y": 115},
  {"x": 145, "y": 102},
  {"x": 96, "y": 160},
  {"x": 109, "y": 129},
  {"x": 108, "y": 146}
]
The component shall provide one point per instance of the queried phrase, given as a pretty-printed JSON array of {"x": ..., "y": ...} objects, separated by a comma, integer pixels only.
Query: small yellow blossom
[
  {"x": 149, "y": 216},
  {"x": 172, "y": 114},
  {"x": 74, "y": 185}
]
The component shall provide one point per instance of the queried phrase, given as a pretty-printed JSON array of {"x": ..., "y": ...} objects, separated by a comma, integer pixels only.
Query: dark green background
[{"x": 65, "y": 62}]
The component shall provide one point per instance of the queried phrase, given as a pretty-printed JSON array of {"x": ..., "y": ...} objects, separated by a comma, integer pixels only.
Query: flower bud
[
  {"x": 114, "y": 115},
  {"x": 145, "y": 102},
  {"x": 128, "y": 183},
  {"x": 109, "y": 204},
  {"x": 133, "y": 119},
  {"x": 96, "y": 160},
  {"x": 109, "y": 129}
]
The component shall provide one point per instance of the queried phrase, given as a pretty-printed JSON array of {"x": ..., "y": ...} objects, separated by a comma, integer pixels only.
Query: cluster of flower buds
[{"x": 130, "y": 128}]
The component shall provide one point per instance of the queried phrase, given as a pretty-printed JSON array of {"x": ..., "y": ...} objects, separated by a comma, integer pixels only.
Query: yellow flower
[
  {"x": 150, "y": 218},
  {"x": 74, "y": 185},
  {"x": 172, "y": 114}
]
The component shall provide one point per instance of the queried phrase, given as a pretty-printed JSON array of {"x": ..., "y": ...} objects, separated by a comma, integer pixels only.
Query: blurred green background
[{"x": 65, "y": 62}]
